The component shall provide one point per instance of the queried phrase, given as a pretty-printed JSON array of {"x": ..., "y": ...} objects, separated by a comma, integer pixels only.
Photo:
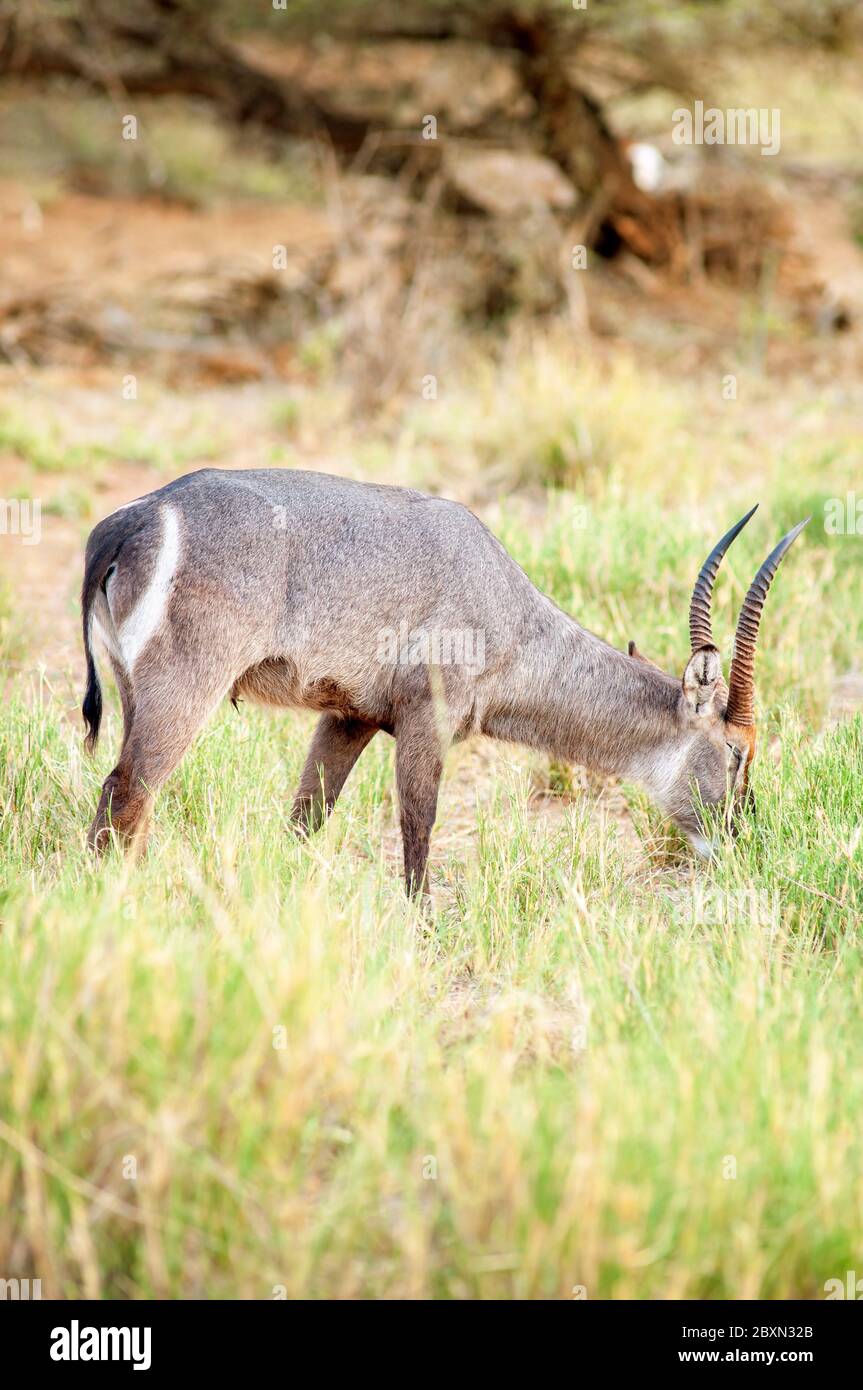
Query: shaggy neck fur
[{"x": 573, "y": 695}]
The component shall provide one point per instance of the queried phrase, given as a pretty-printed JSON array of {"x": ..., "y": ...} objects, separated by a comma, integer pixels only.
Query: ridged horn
[
  {"x": 741, "y": 679},
  {"x": 700, "y": 630}
]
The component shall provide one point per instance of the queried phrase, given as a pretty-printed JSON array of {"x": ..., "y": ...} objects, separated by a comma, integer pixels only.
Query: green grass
[
  {"x": 43, "y": 448},
  {"x": 246, "y": 1066},
  {"x": 180, "y": 153},
  {"x": 627, "y": 430},
  {"x": 10, "y": 634},
  {"x": 47, "y": 450}
]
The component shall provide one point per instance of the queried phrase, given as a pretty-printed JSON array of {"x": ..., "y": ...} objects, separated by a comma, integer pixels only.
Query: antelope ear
[
  {"x": 639, "y": 656},
  {"x": 700, "y": 679}
]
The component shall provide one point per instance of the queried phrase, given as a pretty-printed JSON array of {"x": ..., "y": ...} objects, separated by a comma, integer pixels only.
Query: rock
[{"x": 504, "y": 183}]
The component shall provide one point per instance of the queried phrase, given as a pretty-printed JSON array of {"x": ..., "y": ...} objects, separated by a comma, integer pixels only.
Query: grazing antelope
[{"x": 289, "y": 588}]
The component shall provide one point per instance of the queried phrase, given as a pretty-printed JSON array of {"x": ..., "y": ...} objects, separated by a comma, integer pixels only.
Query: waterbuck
[{"x": 384, "y": 608}]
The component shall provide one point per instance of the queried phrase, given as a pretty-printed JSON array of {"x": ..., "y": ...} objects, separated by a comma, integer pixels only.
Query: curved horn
[
  {"x": 741, "y": 684},
  {"x": 700, "y": 632}
]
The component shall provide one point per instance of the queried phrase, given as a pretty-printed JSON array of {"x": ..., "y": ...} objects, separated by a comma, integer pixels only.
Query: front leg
[
  {"x": 420, "y": 749},
  {"x": 336, "y": 745}
]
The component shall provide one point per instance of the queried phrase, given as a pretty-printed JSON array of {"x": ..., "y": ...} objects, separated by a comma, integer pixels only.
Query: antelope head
[{"x": 716, "y": 742}]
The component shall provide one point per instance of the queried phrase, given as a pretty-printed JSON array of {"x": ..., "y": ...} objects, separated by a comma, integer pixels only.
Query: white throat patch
[{"x": 660, "y": 770}]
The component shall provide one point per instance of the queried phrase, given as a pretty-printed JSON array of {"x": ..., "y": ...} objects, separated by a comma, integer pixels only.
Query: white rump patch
[
  {"x": 105, "y": 635},
  {"x": 141, "y": 624}
]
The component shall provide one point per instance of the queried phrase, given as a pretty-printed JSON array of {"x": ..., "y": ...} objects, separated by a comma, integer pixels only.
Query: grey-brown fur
[{"x": 284, "y": 583}]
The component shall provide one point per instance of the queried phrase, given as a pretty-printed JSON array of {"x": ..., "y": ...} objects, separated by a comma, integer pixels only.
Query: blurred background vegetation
[
  {"x": 551, "y": 129},
  {"x": 549, "y": 299},
  {"x": 456, "y": 247}
]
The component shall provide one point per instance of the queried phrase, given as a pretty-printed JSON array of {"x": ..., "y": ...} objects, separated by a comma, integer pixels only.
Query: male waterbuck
[{"x": 288, "y": 588}]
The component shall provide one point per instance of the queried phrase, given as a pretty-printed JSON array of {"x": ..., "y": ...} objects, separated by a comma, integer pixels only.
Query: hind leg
[
  {"x": 159, "y": 734},
  {"x": 127, "y": 696},
  {"x": 335, "y": 748}
]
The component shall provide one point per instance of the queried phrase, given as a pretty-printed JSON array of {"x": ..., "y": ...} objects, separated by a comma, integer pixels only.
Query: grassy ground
[{"x": 246, "y": 1068}]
